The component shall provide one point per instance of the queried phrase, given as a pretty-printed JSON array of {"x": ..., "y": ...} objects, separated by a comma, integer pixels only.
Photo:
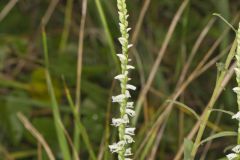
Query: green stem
[{"x": 207, "y": 112}]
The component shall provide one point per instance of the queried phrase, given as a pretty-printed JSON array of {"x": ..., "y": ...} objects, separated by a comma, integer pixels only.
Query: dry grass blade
[
  {"x": 7, "y": 9},
  {"x": 140, "y": 21},
  {"x": 196, "y": 126},
  {"x": 36, "y": 134},
  {"x": 79, "y": 71},
  {"x": 196, "y": 73},
  {"x": 194, "y": 50},
  {"x": 49, "y": 12},
  {"x": 159, "y": 59}
]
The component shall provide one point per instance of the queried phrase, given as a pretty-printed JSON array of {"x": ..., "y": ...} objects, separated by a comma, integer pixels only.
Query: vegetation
[{"x": 60, "y": 72}]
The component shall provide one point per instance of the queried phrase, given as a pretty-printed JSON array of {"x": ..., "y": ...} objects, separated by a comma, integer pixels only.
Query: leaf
[
  {"x": 185, "y": 107},
  {"x": 188, "y": 144},
  {"x": 218, "y": 135}
]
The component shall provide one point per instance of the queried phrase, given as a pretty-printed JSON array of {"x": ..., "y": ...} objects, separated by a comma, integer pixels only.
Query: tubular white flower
[
  {"x": 128, "y": 152},
  {"x": 128, "y": 29},
  {"x": 130, "y": 112},
  {"x": 236, "y": 116},
  {"x": 125, "y": 118},
  {"x": 232, "y": 156},
  {"x": 132, "y": 87},
  {"x": 122, "y": 57},
  {"x": 127, "y": 94},
  {"x": 122, "y": 40},
  {"x": 130, "y": 131},
  {"x": 128, "y": 139},
  {"x": 129, "y": 105},
  {"x": 236, "y": 90},
  {"x": 117, "y": 121},
  {"x": 130, "y": 67},
  {"x": 116, "y": 147},
  {"x": 120, "y": 77},
  {"x": 236, "y": 149},
  {"x": 237, "y": 71},
  {"x": 118, "y": 98},
  {"x": 129, "y": 46}
]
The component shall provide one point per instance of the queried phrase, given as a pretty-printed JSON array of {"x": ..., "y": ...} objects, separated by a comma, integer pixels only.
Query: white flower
[
  {"x": 116, "y": 147},
  {"x": 130, "y": 112},
  {"x": 129, "y": 46},
  {"x": 129, "y": 105},
  {"x": 236, "y": 149},
  {"x": 237, "y": 57},
  {"x": 118, "y": 121},
  {"x": 128, "y": 29},
  {"x": 236, "y": 116},
  {"x": 118, "y": 98},
  {"x": 128, "y": 158},
  {"x": 128, "y": 152},
  {"x": 236, "y": 90},
  {"x": 120, "y": 77},
  {"x": 132, "y": 87},
  {"x": 125, "y": 118},
  {"x": 128, "y": 139},
  {"x": 130, "y": 131},
  {"x": 122, "y": 40},
  {"x": 130, "y": 67},
  {"x": 232, "y": 156},
  {"x": 122, "y": 57},
  {"x": 127, "y": 94},
  {"x": 237, "y": 71}
]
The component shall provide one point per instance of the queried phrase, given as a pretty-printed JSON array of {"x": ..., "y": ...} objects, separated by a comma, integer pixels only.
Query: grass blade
[{"x": 56, "y": 114}]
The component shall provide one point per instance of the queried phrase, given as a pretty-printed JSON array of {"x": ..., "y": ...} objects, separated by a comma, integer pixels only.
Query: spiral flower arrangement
[
  {"x": 236, "y": 149},
  {"x": 126, "y": 107}
]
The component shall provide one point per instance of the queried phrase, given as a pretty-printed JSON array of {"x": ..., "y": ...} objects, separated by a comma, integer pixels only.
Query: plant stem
[{"x": 212, "y": 101}]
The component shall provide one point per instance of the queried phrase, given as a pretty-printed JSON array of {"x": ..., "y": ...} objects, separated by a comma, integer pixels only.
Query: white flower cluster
[
  {"x": 126, "y": 108},
  {"x": 233, "y": 156},
  {"x": 236, "y": 149}
]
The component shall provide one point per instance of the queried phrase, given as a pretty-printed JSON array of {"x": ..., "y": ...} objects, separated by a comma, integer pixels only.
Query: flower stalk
[{"x": 126, "y": 108}]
